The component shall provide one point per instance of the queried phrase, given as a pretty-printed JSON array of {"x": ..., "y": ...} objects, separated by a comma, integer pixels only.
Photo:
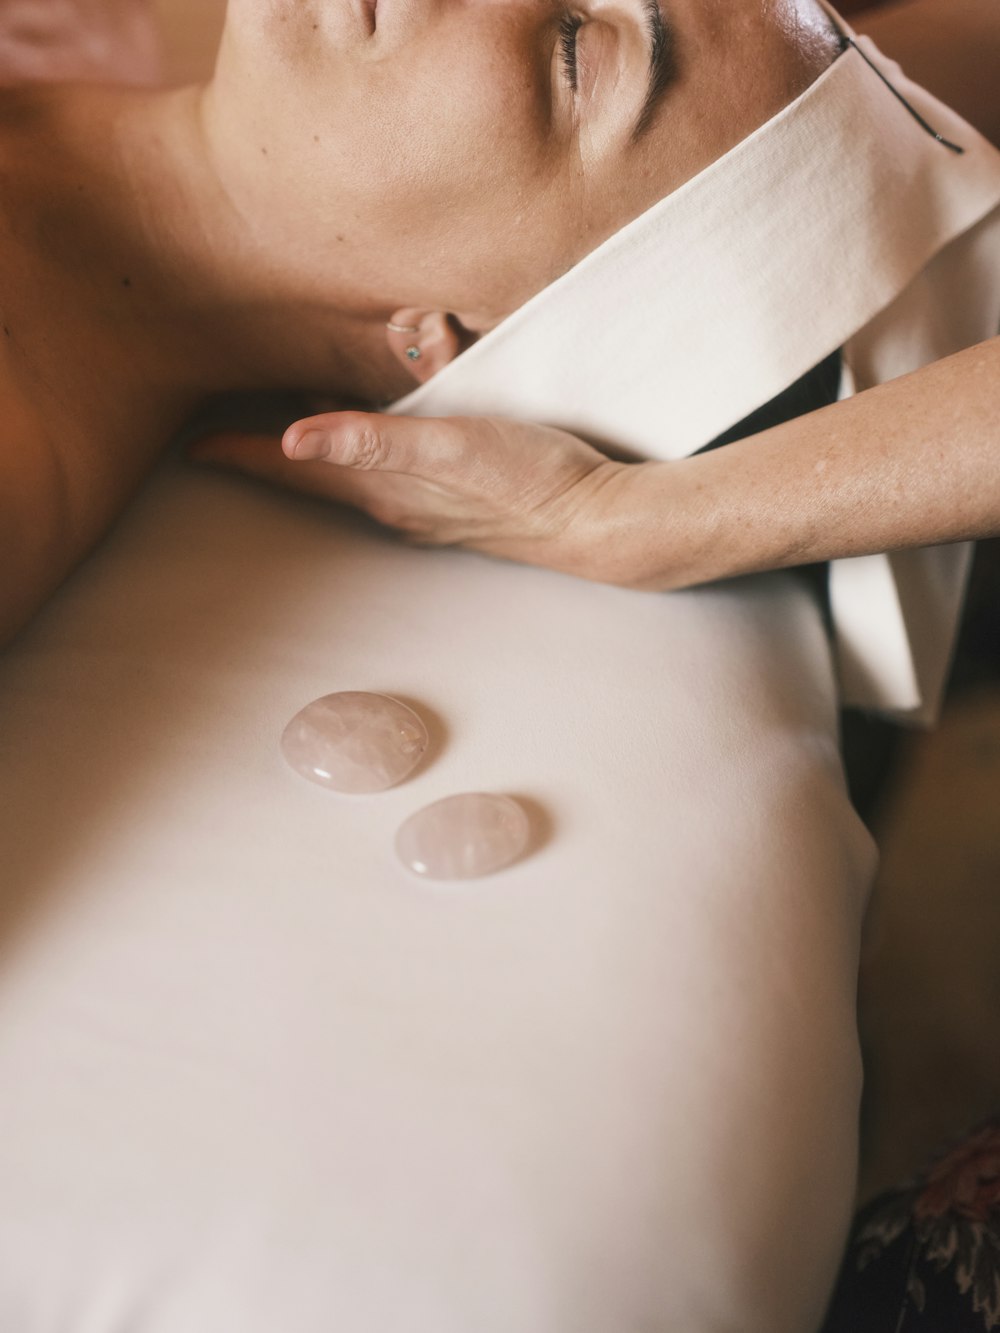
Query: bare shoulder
[
  {"x": 37, "y": 459},
  {"x": 20, "y": 420},
  {"x": 32, "y": 498},
  {"x": 21, "y": 255}
]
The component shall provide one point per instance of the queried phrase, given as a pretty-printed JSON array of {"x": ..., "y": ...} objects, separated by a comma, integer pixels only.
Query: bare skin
[
  {"x": 51, "y": 40},
  {"x": 152, "y": 318},
  {"x": 912, "y": 463},
  {"x": 259, "y": 231}
]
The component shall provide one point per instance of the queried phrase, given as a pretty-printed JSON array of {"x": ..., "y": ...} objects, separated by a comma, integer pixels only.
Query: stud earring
[{"x": 414, "y": 353}]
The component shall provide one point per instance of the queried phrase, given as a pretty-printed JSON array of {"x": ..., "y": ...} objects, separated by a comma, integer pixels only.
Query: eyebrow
[{"x": 662, "y": 65}]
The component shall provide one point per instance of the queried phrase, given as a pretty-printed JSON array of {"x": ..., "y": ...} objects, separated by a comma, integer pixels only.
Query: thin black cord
[{"x": 952, "y": 147}]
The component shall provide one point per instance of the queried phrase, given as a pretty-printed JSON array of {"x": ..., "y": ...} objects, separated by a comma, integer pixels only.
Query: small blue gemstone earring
[{"x": 413, "y": 351}]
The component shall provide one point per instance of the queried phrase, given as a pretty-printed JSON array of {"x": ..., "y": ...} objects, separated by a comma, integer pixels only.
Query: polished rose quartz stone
[
  {"x": 464, "y": 837},
  {"x": 355, "y": 742}
]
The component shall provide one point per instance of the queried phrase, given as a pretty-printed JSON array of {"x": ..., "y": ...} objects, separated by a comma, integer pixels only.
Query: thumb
[
  {"x": 370, "y": 442},
  {"x": 260, "y": 456}
]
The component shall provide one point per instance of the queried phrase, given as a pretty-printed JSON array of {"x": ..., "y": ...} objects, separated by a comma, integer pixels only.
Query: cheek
[
  {"x": 480, "y": 175},
  {"x": 448, "y": 170},
  {"x": 462, "y": 133}
]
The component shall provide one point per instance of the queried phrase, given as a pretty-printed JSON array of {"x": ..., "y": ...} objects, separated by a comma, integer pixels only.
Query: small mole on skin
[
  {"x": 126, "y": 282},
  {"x": 340, "y": 238},
  {"x": 264, "y": 151},
  {"x": 6, "y": 331}
]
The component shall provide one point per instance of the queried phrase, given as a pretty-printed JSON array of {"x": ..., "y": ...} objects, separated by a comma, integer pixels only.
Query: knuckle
[{"x": 366, "y": 448}]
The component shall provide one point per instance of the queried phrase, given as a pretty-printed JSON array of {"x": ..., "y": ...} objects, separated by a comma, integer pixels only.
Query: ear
[{"x": 424, "y": 341}]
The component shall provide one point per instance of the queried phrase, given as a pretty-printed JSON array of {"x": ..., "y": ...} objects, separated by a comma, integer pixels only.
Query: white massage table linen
[{"x": 255, "y": 1076}]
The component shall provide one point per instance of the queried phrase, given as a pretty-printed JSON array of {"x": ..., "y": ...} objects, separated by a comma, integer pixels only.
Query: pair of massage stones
[{"x": 359, "y": 743}]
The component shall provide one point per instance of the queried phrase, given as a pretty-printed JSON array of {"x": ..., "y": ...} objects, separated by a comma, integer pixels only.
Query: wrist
[{"x": 647, "y": 526}]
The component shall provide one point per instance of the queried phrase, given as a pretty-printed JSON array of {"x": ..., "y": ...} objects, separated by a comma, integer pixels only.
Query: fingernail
[{"x": 313, "y": 444}]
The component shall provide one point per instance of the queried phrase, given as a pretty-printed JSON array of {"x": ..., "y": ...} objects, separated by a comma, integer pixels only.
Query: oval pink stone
[
  {"x": 464, "y": 837},
  {"x": 355, "y": 742}
]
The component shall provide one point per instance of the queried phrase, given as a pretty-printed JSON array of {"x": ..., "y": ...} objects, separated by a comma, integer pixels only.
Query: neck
[{"x": 143, "y": 240}]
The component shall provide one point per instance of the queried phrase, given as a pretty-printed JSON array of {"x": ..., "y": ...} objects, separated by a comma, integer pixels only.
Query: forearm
[
  {"x": 914, "y": 462},
  {"x": 56, "y": 502},
  {"x": 911, "y": 463}
]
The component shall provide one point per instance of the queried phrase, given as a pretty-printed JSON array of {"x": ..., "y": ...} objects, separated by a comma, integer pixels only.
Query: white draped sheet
[{"x": 254, "y": 1076}]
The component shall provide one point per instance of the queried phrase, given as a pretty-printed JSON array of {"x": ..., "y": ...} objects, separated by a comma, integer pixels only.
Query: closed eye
[{"x": 569, "y": 26}]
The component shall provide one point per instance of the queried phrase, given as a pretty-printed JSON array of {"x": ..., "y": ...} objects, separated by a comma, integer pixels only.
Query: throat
[{"x": 131, "y": 290}]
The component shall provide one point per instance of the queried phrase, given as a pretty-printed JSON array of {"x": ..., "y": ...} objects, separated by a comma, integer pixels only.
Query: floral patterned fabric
[{"x": 926, "y": 1258}]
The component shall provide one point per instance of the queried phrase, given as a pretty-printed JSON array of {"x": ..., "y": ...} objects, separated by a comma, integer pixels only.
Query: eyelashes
[{"x": 569, "y": 26}]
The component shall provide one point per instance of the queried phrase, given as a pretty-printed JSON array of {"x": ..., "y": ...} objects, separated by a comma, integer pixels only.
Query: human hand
[
  {"x": 522, "y": 492},
  {"x": 79, "y": 39}
]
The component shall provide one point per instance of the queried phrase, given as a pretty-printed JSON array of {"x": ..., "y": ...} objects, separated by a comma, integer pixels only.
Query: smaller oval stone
[
  {"x": 355, "y": 742},
  {"x": 464, "y": 837}
]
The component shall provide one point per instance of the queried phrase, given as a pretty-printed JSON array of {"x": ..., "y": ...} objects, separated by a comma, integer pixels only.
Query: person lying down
[
  {"x": 686, "y": 329},
  {"x": 158, "y": 223},
  {"x": 262, "y": 232},
  {"x": 202, "y": 305}
]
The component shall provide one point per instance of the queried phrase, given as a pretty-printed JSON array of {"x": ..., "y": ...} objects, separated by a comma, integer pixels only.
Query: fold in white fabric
[
  {"x": 254, "y": 1076},
  {"x": 839, "y": 223}
]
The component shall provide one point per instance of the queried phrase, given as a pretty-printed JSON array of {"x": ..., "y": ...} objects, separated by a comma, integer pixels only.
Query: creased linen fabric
[{"x": 839, "y": 223}]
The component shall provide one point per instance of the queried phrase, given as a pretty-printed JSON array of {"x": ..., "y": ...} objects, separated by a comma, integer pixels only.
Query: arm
[
  {"x": 915, "y": 462},
  {"x": 907, "y": 464},
  {"x": 81, "y": 39},
  {"x": 911, "y": 463}
]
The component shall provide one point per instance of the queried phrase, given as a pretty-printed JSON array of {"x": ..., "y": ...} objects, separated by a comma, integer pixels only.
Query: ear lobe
[{"x": 424, "y": 341}]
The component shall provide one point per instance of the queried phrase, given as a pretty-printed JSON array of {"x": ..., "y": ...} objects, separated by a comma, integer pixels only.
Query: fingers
[
  {"x": 261, "y": 457},
  {"x": 258, "y": 455},
  {"x": 506, "y": 488},
  {"x": 368, "y": 442}
]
